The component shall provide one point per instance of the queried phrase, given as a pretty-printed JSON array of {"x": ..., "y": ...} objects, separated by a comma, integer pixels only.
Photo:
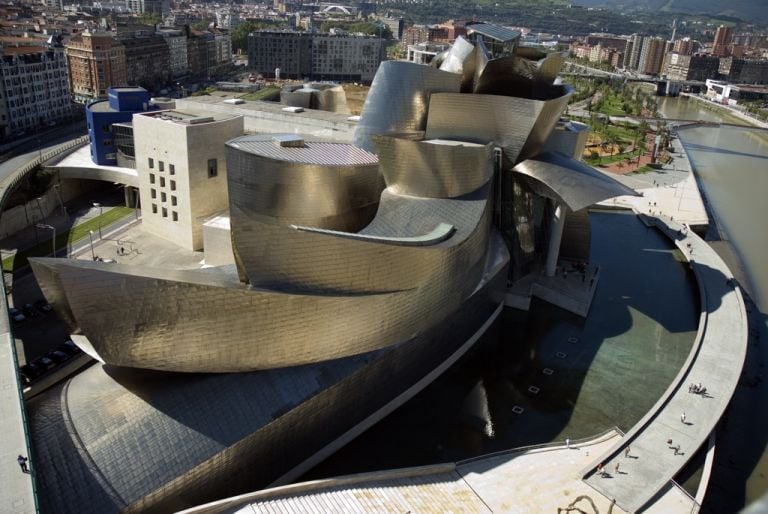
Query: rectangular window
[
  {"x": 161, "y": 165},
  {"x": 162, "y": 181},
  {"x": 175, "y": 215},
  {"x": 107, "y": 142},
  {"x": 172, "y": 169},
  {"x": 163, "y": 197},
  {"x": 173, "y": 185},
  {"x": 165, "y": 212},
  {"x": 154, "y": 208},
  {"x": 213, "y": 169},
  {"x": 151, "y": 163},
  {"x": 153, "y": 193},
  {"x": 105, "y": 128},
  {"x": 151, "y": 178},
  {"x": 173, "y": 200}
]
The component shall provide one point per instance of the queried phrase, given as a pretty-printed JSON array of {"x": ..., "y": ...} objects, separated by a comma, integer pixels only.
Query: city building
[
  {"x": 607, "y": 41},
  {"x": 316, "y": 56},
  {"x": 101, "y": 115},
  {"x": 423, "y": 53},
  {"x": 176, "y": 39},
  {"x": 147, "y": 61},
  {"x": 182, "y": 169},
  {"x": 651, "y": 56},
  {"x": 34, "y": 87},
  {"x": 685, "y": 46},
  {"x": 723, "y": 36},
  {"x": 96, "y": 62},
  {"x": 698, "y": 67},
  {"x": 633, "y": 51},
  {"x": 160, "y": 8}
]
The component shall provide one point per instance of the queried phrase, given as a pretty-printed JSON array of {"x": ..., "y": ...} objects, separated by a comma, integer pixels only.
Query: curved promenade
[{"x": 663, "y": 441}]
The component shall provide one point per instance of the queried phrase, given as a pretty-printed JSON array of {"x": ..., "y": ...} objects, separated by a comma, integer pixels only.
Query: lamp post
[
  {"x": 101, "y": 211},
  {"x": 50, "y": 227},
  {"x": 90, "y": 238}
]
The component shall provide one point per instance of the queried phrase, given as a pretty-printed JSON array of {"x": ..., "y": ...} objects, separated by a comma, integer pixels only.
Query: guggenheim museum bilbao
[{"x": 357, "y": 272}]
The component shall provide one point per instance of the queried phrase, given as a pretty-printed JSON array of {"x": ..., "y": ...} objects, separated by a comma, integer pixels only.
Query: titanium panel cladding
[
  {"x": 569, "y": 181},
  {"x": 399, "y": 98},
  {"x": 508, "y": 122},
  {"x": 424, "y": 169}
]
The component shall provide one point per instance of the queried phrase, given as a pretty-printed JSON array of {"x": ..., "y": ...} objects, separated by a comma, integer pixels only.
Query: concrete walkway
[
  {"x": 681, "y": 421},
  {"x": 528, "y": 480},
  {"x": 671, "y": 191}
]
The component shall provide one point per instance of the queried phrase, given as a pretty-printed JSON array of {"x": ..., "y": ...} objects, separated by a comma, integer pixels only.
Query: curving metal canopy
[{"x": 569, "y": 181}]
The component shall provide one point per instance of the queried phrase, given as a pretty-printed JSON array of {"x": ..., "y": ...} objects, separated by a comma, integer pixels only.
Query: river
[{"x": 731, "y": 165}]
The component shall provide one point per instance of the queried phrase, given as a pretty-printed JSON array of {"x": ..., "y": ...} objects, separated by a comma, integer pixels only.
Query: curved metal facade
[
  {"x": 431, "y": 169},
  {"x": 399, "y": 98},
  {"x": 520, "y": 126},
  {"x": 569, "y": 182}
]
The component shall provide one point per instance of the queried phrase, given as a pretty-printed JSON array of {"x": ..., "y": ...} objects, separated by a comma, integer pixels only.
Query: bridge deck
[{"x": 715, "y": 361}]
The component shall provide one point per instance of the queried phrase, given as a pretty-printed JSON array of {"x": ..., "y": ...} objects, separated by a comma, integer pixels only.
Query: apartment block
[
  {"x": 96, "y": 62},
  {"x": 34, "y": 89}
]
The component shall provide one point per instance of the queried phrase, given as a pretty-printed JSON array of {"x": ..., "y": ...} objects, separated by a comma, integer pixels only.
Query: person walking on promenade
[
  {"x": 626, "y": 452},
  {"x": 617, "y": 468},
  {"x": 22, "y": 460},
  {"x": 682, "y": 418},
  {"x": 568, "y": 443}
]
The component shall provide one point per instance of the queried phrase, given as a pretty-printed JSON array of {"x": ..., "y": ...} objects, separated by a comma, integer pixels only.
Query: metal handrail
[{"x": 551, "y": 444}]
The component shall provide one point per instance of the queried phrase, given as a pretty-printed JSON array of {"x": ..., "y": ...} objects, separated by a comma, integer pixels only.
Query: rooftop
[
  {"x": 186, "y": 118},
  {"x": 310, "y": 152}
]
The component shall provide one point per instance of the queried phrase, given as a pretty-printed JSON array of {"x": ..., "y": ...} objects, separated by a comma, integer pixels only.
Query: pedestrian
[
  {"x": 568, "y": 443},
  {"x": 677, "y": 449},
  {"x": 22, "y": 460},
  {"x": 626, "y": 452},
  {"x": 682, "y": 417},
  {"x": 617, "y": 468}
]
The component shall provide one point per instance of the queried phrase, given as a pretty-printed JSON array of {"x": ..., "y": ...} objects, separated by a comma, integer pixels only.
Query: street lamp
[
  {"x": 101, "y": 211},
  {"x": 50, "y": 227},
  {"x": 90, "y": 238}
]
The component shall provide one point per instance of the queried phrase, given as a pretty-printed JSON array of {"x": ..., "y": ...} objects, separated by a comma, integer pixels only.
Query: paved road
[{"x": 681, "y": 422}]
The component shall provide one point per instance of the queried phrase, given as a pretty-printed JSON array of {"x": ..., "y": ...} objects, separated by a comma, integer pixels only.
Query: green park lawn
[{"x": 68, "y": 237}]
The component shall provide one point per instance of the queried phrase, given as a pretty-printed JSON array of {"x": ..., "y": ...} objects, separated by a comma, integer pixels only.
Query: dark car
[
  {"x": 43, "y": 306},
  {"x": 16, "y": 315},
  {"x": 68, "y": 347},
  {"x": 30, "y": 372},
  {"x": 43, "y": 363},
  {"x": 29, "y": 310},
  {"x": 57, "y": 356}
]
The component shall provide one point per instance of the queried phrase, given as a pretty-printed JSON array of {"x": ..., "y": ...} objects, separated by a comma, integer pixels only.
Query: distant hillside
[{"x": 743, "y": 9}]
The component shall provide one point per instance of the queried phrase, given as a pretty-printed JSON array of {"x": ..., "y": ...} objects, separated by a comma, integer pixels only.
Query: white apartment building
[
  {"x": 182, "y": 168},
  {"x": 177, "y": 45},
  {"x": 34, "y": 87}
]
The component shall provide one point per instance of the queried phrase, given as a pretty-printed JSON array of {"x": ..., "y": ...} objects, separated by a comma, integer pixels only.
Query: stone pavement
[
  {"x": 528, "y": 480},
  {"x": 681, "y": 421},
  {"x": 671, "y": 191}
]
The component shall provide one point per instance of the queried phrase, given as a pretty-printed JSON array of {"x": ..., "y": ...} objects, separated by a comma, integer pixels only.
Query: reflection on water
[
  {"x": 616, "y": 365},
  {"x": 732, "y": 167}
]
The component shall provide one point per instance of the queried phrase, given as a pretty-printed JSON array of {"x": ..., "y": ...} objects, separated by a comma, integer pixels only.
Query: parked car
[
  {"x": 43, "y": 306},
  {"x": 16, "y": 315},
  {"x": 68, "y": 347},
  {"x": 30, "y": 371},
  {"x": 44, "y": 363},
  {"x": 57, "y": 356},
  {"x": 29, "y": 310}
]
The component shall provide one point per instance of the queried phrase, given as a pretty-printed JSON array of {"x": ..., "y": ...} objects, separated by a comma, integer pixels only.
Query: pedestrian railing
[{"x": 549, "y": 445}]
